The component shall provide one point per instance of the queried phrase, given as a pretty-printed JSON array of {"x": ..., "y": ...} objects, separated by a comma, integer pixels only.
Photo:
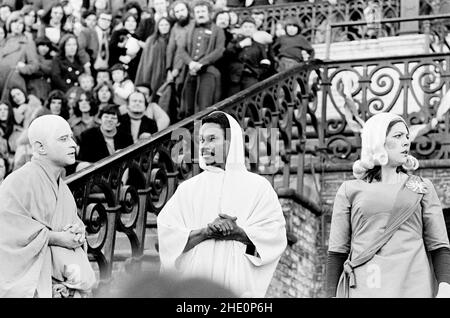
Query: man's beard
[{"x": 183, "y": 21}]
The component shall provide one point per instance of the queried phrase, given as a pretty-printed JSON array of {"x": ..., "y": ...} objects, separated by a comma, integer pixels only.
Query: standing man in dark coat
[{"x": 203, "y": 46}]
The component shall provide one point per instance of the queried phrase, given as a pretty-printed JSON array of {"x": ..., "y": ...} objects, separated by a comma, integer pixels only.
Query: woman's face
[
  {"x": 17, "y": 26},
  {"x": 71, "y": 47},
  {"x": 71, "y": 99},
  {"x": 30, "y": 18},
  {"x": 83, "y": 104},
  {"x": 397, "y": 144},
  {"x": 55, "y": 106},
  {"x": 18, "y": 96},
  {"x": 57, "y": 14},
  {"x": 130, "y": 24},
  {"x": 164, "y": 26},
  {"x": 4, "y": 110},
  {"x": 104, "y": 94}
]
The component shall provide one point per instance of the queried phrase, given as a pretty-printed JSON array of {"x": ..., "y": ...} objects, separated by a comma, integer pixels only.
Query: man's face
[
  {"x": 213, "y": 146},
  {"x": 180, "y": 11},
  {"x": 223, "y": 20},
  {"x": 60, "y": 146},
  {"x": 136, "y": 104},
  {"x": 201, "y": 14},
  {"x": 109, "y": 122},
  {"x": 248, "y": 29},
  {"x": 103, "y": 77},
  {"x": 104, "y": 21}
]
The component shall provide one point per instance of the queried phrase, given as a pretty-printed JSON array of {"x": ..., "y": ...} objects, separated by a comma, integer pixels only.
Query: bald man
[{"x": 42, "y": 240}]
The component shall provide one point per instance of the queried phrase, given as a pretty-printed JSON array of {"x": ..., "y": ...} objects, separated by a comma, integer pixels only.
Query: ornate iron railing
[
  {"x": 116, "y": 193},
  {"x": 411, "y": 86},
  {"x": 315, "y": 16}
]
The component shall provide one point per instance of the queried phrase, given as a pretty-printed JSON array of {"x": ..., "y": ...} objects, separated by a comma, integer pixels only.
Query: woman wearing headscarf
[
  {"x": 380, "y": 248},
  {"x": 152, "y": 66},
  {"x": 18, "y": 56}
]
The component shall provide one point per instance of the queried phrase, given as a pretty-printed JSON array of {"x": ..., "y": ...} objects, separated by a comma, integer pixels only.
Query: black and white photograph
[{"x": 229, "y": 155}]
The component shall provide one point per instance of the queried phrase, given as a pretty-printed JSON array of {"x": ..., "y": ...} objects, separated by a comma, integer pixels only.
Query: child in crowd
[
  {"x": 289, "y": 48},
  {"x": 122, "y": 86}
]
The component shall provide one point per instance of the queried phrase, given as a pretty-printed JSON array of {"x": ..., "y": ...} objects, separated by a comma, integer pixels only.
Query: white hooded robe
[{"x": 236, "y": 192}]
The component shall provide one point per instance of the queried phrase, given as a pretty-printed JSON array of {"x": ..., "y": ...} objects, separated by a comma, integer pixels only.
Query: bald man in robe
[
  {"x": 42, "y": 239},
  {"x": 225, "y": 224}
]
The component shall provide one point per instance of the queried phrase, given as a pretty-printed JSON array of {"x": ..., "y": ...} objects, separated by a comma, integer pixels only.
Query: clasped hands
[
  {"x": 224, "y": 228},
  {"x": 194, "y": 67},
  {"x": 71, "y": 236}
]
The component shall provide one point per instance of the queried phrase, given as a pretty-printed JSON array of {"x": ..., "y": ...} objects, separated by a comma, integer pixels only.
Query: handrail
[
  {"x": 330, "y": 26},
  {"x": 109, "y": 202}
]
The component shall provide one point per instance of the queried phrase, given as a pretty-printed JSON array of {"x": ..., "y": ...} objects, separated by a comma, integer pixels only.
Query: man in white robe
[{"x": 225, "y": 224}]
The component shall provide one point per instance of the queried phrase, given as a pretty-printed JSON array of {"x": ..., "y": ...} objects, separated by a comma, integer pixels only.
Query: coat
[
  {"x": 93, "y": 145},
  {"x": 65, "y": 73},
  {"x": 16, "y": 49}
]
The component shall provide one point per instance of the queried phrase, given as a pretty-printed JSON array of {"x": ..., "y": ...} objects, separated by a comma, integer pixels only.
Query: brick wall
[{"x": 301, "y": 270}]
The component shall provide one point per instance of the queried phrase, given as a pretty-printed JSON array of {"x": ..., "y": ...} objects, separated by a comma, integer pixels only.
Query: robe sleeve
[
  {"x": 340, "y": 229},
  {"x": 434, "y": 229},
  {"x": 23, "y": 239},
  {"x": 266, "y": 227},
  {"x": 173, "y": 233}
]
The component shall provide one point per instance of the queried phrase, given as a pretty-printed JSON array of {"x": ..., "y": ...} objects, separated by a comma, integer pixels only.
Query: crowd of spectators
[{"x": 119, "y": 71}]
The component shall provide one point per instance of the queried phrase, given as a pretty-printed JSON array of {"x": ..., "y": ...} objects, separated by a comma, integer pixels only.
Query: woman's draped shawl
[
  {"x": 32, "y": 202},
  {"x": 235, "y": 192}
]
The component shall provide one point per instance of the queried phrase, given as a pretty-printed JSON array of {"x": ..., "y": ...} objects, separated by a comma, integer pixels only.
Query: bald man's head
[{"x": 50, "y": 136}]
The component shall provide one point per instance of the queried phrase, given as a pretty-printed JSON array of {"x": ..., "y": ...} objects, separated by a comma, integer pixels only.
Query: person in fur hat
[{"x": 386, "y": 223}]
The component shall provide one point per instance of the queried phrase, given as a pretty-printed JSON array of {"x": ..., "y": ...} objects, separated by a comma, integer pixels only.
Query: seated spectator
[
  {"x": 87, "y": 37},
  {"x": 289, "y": 48},
  {"x": 152, "y": 66},
  {"x": 39, "y": 83},
  {"x": 72, "y": 96},
  {"x": 56, "y": 103},
  {"x": 22, "y": 104},
  {"x": 86, "y": 82},
  {"x": 103, "y": 95},
  {"x": 97, "y": 143},
  {"x": 18, "y": 56},
  {"x": 84, "y": 112},
  {"x": 135, "y": 122},
  {"x": 3, "y": 33},
  {"x": 247, "y": 58},
  {"x": 122, "y": 86},
  {"x": 154, "y": 111},
  {"x": 8, "y": 129},
  {"x": 67, "y": 65}
]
